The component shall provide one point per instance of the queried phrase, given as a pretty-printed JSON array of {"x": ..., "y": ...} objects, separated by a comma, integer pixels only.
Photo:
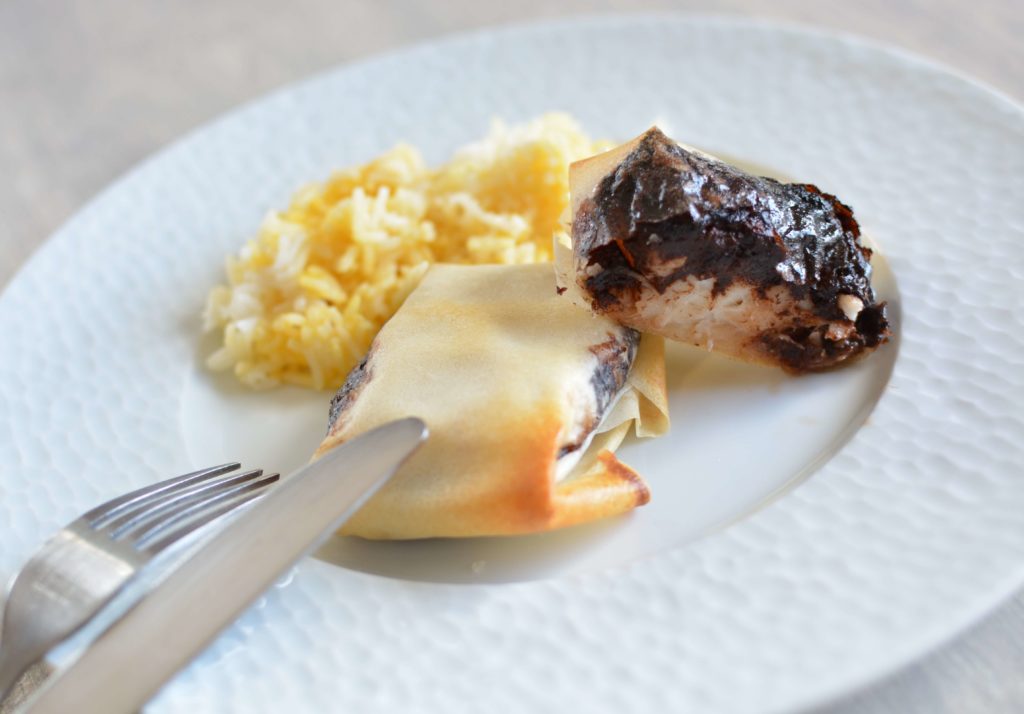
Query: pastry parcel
[{"x": 526, "y": 396}]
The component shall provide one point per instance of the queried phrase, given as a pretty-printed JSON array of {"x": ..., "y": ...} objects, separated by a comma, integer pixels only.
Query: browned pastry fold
[{"x": 511, "y": 379}]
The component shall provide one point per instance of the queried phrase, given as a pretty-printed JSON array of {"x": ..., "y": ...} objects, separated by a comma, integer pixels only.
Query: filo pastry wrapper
[{"x": 526, "y": 396}]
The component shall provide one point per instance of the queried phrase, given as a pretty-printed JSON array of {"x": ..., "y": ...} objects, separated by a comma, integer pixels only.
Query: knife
[{"x": 186, "y": 610}]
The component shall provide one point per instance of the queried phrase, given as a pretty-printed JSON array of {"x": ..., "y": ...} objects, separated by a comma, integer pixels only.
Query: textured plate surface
[{"x": 912, "y": 530}]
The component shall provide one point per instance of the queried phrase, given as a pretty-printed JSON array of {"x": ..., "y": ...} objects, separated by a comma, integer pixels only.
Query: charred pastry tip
[{"x": 636, "y": 484}]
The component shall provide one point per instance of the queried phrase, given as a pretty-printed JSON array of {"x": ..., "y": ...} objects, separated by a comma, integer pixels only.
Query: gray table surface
[{"x": 87, "y": 89}]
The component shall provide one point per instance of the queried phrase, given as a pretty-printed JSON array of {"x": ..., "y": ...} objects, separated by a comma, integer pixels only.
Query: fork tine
[
  {"x": 100, "y": 515},
  {"x": 156, "y": 509},
  {"x": 199, "y": 514}
]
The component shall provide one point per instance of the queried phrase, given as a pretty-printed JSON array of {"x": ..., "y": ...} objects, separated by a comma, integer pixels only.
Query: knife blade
[{"x": 122, "y": 668}]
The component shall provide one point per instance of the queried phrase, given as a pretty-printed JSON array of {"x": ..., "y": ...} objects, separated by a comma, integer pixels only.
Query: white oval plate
[{"x": 910, "y": 526}]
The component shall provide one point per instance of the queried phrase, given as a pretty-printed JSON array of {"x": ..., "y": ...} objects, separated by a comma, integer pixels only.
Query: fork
[{"x": 89, "y": 561}]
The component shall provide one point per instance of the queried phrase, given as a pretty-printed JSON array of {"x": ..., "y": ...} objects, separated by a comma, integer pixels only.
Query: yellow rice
[{"x": 306, "y": 296}]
